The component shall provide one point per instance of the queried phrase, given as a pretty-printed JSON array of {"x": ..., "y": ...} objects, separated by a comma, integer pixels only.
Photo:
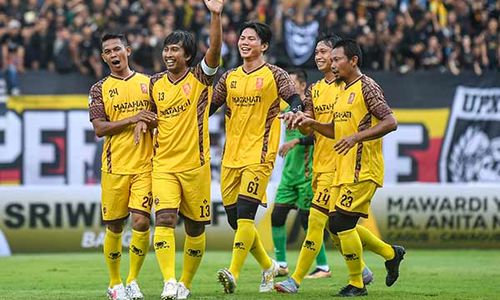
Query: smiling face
[
  {"x": 175, "y": 58},
  {"x": 250, "y": 45},
  {"x": 115, "y": 54},
  {"x": 323, "y": 56}
]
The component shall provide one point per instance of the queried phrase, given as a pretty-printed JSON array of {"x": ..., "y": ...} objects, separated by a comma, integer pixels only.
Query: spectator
[
  {"x": 395, "y": 34},
  {"x": 12, "y": 55},
  {"x": 63, "y": 51}
]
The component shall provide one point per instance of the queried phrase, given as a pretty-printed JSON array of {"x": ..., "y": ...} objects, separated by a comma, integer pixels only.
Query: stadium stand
[{"x": 396, "y": 35}]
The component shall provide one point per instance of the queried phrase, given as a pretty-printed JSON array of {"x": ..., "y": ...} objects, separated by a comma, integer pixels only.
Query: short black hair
[
  {"x": 111, "y": 36},
  {"x": 300, "y": 73},
  {"x": 351, "y": 49},
  {"x": 187, "y": 41},
  {"x": 263, "y": 31},
  {"x": 329, "y": 39}
]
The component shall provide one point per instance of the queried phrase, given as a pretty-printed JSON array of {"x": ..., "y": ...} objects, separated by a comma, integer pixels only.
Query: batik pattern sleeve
[
  {"x": 96, "y": 103},
  {"x": 374, "y": 98}
]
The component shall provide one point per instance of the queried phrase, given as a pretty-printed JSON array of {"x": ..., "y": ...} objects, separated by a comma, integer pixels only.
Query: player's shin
[
  {"x": 139, "y": 246},
  {"x": 259, "y": 252},
  {"x": 243, "y": 241},
  {"x": 352, "y": 251},
  {"x": 164, "y": 244},
  {"x": 194, "y": 248},
  {"x": 373, "y": 243},
  {"x": 311, "y": 245},
  {"x": 112, "y": 249}
]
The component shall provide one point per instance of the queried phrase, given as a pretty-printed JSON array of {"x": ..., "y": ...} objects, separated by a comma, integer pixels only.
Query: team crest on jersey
[
  {"x": 186, "y": 88},
  {"x": 259, "y": 83},
  {"x": 144, "y": 88},
  {"x": 351, "y": 98}
]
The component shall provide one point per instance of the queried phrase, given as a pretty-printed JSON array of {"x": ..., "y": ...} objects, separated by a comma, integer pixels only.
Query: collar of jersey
[
  {"x": 124, "y": 79},
  {"x": 178, "y": 80},
  {"x": 254, "y": 70},
  {"x": 352, "y": 83}
]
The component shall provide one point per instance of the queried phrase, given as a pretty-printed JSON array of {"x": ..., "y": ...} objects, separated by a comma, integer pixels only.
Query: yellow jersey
[
  {"x": 252, "y": 107},
  {"x": 360, "y": 106},
  {"x": 182, "y": 141},
  {"x": 114, "y": 99},
  {"x": 318, "y": 103}
]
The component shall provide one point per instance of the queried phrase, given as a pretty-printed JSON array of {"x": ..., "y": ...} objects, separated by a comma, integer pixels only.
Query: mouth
[
  {"x": 115, "y": 62},
  {"x": 245, "y": 50},
  {"x": 169, "y": 62}
]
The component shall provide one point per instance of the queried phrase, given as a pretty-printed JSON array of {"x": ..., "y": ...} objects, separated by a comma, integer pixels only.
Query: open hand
[{"x": 214, "y": 6}]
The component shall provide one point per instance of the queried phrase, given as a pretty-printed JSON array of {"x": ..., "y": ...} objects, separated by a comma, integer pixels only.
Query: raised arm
[
  {"x": 220, "y": 94},
  {"x": 212, "y": 57}
]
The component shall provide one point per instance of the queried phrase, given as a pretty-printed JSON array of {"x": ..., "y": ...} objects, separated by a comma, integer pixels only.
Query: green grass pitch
[{"x": 425, "y": 274}]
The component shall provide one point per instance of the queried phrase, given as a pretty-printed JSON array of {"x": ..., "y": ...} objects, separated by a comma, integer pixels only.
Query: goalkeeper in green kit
[{"x": 295, "y": 191}]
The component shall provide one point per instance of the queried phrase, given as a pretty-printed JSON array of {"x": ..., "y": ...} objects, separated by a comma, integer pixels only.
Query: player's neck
[
  {"x": 176, "y": 75},
  {"x": 251, "y": 64},
  {"x": 353, "y": 77},
  {"x": 125, "y": 73},
  {"x": 329, "y": 77}
]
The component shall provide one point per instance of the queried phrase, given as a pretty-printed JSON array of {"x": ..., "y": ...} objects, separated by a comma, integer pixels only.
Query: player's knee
[
  {"x": 339, "y": 222},
  {"x": 232, "y": 217},
  {"x": 115, "y": 226},
  {"x": 166, "y": 219},
  {"x": 193, "y": 228},
  {"x": 140, "y": 222},
  {"x": 304, "y": 218},
  {"x": 279, "y": 214},
  {"x": 246, "y": 209}
]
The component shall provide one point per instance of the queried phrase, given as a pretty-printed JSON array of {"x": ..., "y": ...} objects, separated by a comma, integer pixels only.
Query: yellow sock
[
  {"x": 259, "y": 252},
  {"x": 194, "y": 248},
  {"x": 373, "y": 243},
  {"x": 164, "y": 243},
  {"x": 311, "y": 245},
  {"x": 336, "y": 243},
  {"x": 353, "y": 255},
  {"x": 139, "y": 247},
  {"x": 112, "y": 249},
  {"x": 243, "y": 241}
]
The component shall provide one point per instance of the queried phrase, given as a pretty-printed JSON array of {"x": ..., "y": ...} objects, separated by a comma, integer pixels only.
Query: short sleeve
[
  {"x": 96, "y": 103},
  {"x": 286, "y": 88},
  {"x": 220, "y": 90},
  {"x": 374, "y": 98}
]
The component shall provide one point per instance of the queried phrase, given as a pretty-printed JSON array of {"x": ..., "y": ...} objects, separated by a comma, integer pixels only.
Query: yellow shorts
[
  {"x": 353, "y": 198},
  {"x": 321, "y": 185},
  {"x": 186, "y": 193},
  {"x": 249, "y": 182},
  {"x": 124, "y": 193}
]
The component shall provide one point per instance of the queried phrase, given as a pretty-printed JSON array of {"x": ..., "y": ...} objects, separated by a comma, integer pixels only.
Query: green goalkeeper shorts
[{"x": 298, "y": 196}]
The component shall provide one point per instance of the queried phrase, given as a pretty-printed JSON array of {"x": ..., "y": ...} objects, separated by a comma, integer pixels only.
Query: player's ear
[
  {"x": 129, "y": 50},
  {"x": 264, "y": 47},
  {"x": 354, "y": 61},
  {"x": 187, "y": 57}
]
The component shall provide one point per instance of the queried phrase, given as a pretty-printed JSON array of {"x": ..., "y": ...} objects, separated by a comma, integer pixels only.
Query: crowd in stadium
[{"x": 396, "y": 35}]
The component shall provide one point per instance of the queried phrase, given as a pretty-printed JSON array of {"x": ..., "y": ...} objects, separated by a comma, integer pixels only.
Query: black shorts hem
[
  {"x": 116, "y": 220},
  {"x": 350, "y": 213},
  {"x": 140, "y": 212}
]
